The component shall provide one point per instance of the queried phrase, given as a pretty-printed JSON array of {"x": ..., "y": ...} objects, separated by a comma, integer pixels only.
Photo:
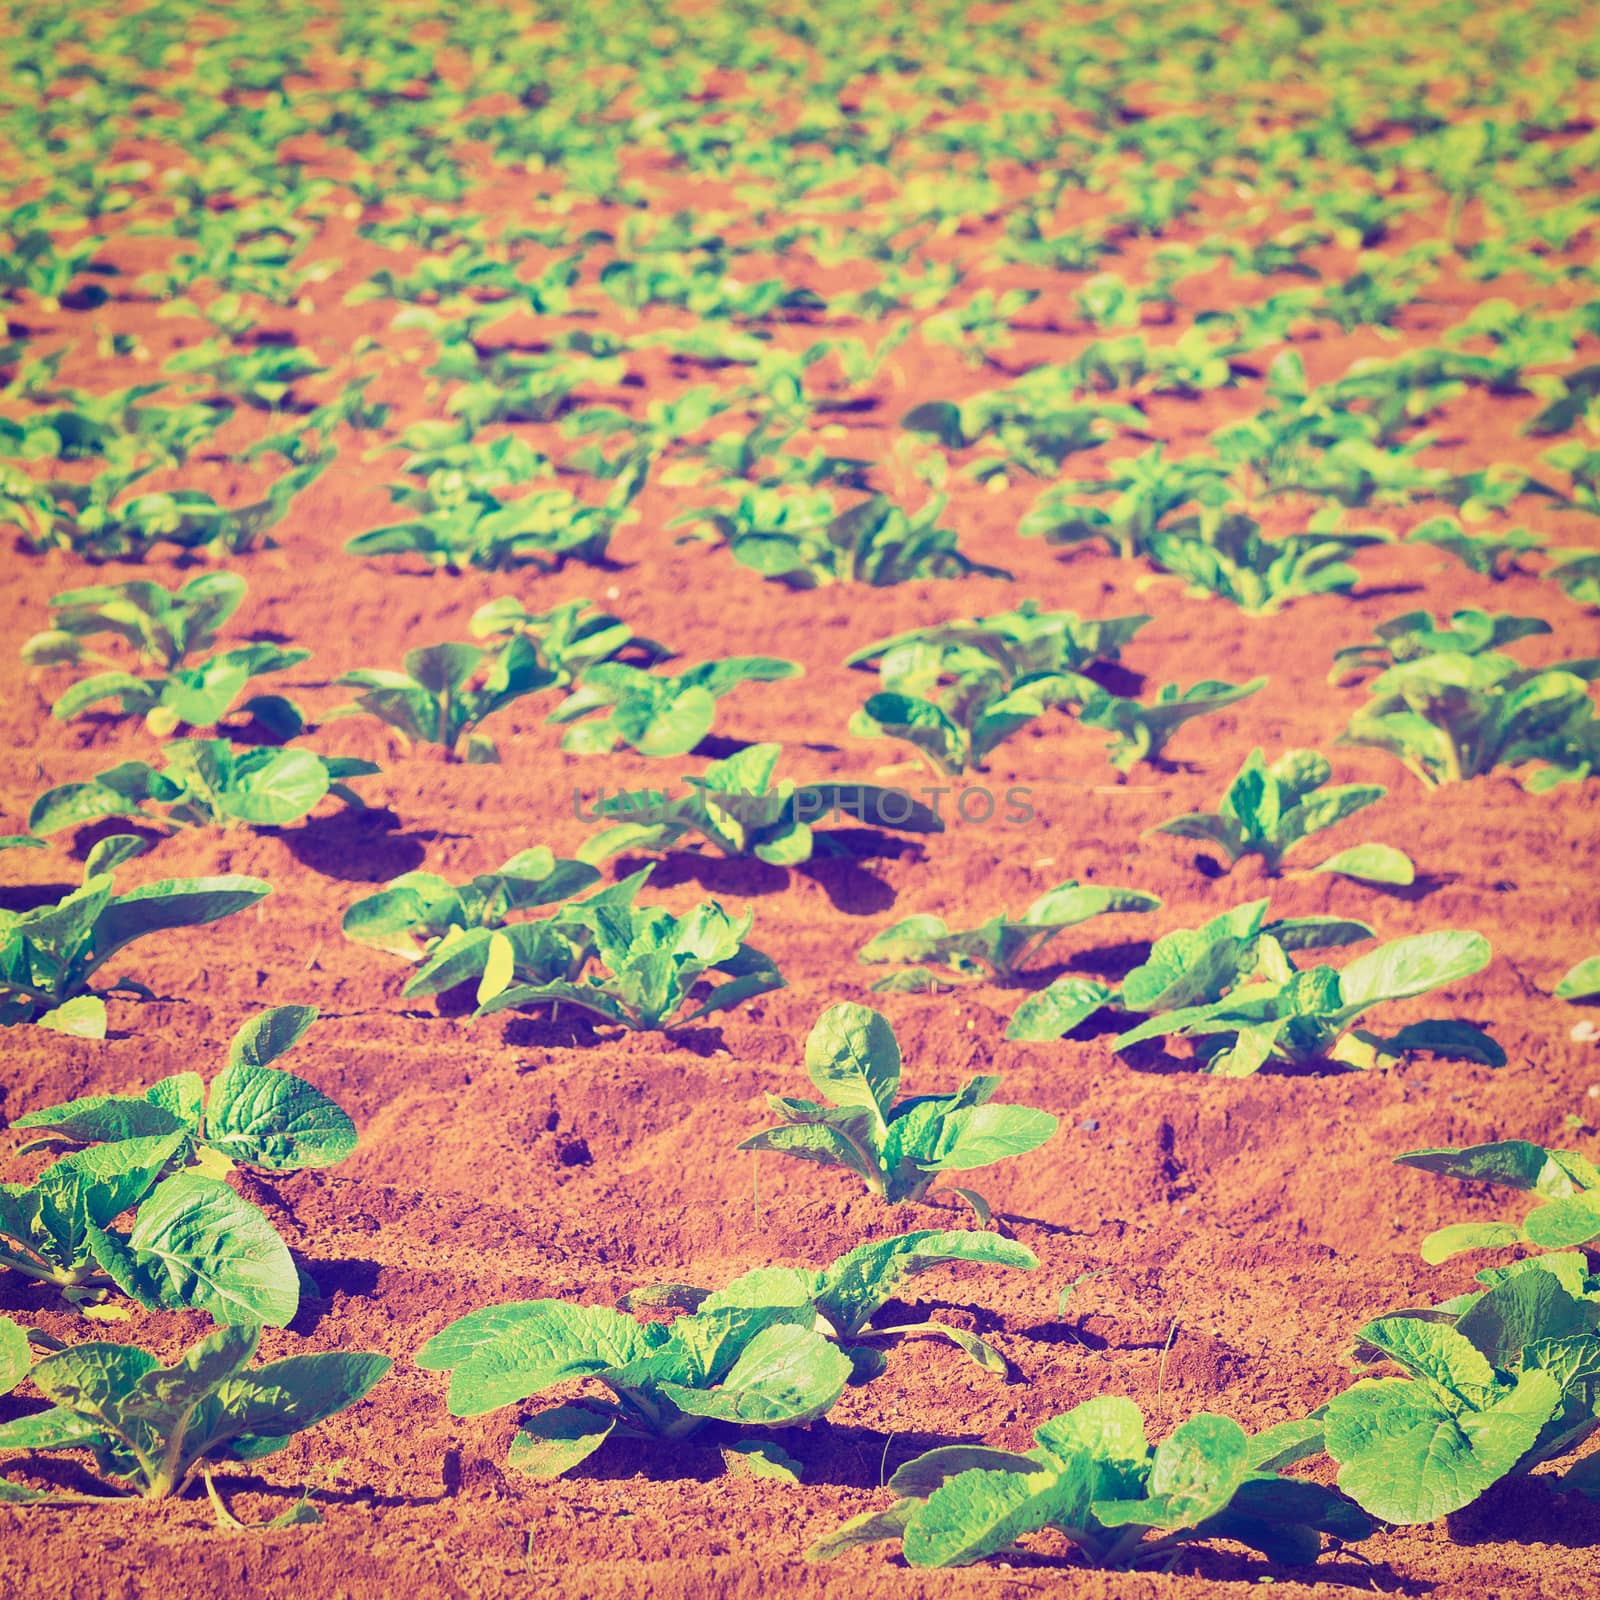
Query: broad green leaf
[
  {"x": 83, "y": 1016},
  {"x": 1443, "y": 1243},
  {"x": 271, "y": 1034},
  {"x": 265, "y": 1117},
  {"x": 1055, "y": 1011},
  {"x": 1582, "y": 982},
  {"x": 786, "y": 1374},
  {"x": 197, "y": 1245},
  {"x": 1372, "y": 863},
  {"x": 980, "y": 1135},
  {"x": 556, "y": 1441},
  {"x": 853, "y": 1059},
  {"x": 760, "y": 1458},
  {"x": 264, "y": 1408},
  {"x": 506, "y": 1353},
  {"x": 15, "y": 1355},
  {"x": 1411, "y": 966},
  {"x": 281, "y": 789}
]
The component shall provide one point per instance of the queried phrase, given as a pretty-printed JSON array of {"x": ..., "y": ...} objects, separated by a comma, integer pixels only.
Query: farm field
[{"x": 598, "y": 596}]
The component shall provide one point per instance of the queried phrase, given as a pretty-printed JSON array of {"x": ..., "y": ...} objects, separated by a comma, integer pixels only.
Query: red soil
[{"x": 1239, "y": 1230}]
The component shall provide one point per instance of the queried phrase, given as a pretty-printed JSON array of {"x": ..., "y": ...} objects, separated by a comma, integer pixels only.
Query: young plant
[
  {"x": 1416, "y": 634},
  {"x": 254, "y": 1114},
  {"x": 1257, "y": 574},
  {"x": 1496, "y": 1383},
  {"x": 1188, "y": 967},
  {"x": 1267, "y": 811},
  {"x": 163, "y": 627},
  {"x": 1491, "y": 555},
  {"x": 1146, "y": 492},
  {"x": 1566, "y": 1181},
  {"x": 197, "y": 696},
  {"x": 206, "y": 783},
  {"x": 1141, "y": 731},
  {"x": 656, "y": 714},
  {"x": 999, "y": 948},
  {"x": 446, "y": 690},
  {"x": 1450, "y": 717},
  {"x": 461, "y": 932},
  {"x": 1093, "y": 1477},
  {"x": 957, "y": 690},
  {"x": 898, "y": 1149},
  {"x": 1581, "y": 982},
  {"x": 655, "y": 964},
  {"x": 1304, "y": 1018},
  {"x": 543, "y": 528},
  {"x": 735, "y": 807},
  {"x": 157, "y": 1428},
  {"x": 571, "y": 638},
  {"x": 874, "y": 543},
  {"x": 194, "y": 1244},
  {"x": 763, "y": 1352},
  {"x": 49, "y": 956}
]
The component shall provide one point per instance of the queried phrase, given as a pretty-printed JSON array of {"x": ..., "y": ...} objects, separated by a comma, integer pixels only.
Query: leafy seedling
[
  {"x": 1187, "y": 967},
  {"x": 571, "y": 638},
  {"x": 446, "y": 690},
  {"x": 735, "y": 807},
  {"x": 206, "y": 783},
  {"x": 1141, "y": 731},
  {"x": 652, "y": 713},
  {"x": 1451, "y": 716},
  {"x": 1566, "y": 1181},
  {"x": 194, "y": 1244},
  {"x": 1259, "y": 575},
  {"x": 163, "y": 627},
  {"x": 49, "y": 956},
  {"x": 1307, "y": 1017},
  {"x": 762, "y": 1352},
  {"x": 158, "y": 1428},
  {"x": 1094, "y": 1478},
  {"x": 1000, "y": 948},
  {"x": 462, "y": 933},
  {"x": 897, "y": 1148},
  {"x": 655, "y": 966},
  {"x": 1268, "y": 810},
  {"x": 1416, "y": 634},
  {"x": 254, "y": 1114},
  {"x": 1497, "y": 1383}
]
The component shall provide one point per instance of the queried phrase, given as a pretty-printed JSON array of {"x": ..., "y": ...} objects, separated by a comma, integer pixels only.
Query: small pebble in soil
[{"x": 1585, "y": 1032}]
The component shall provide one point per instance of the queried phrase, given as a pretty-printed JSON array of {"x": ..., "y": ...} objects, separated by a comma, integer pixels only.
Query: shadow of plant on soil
[{"x": 355, "y": 846}]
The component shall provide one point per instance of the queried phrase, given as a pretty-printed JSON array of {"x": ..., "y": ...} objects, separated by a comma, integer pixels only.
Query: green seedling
[
  {"x": 1490, "y": 555},
  {"x": 254, "y": 1114},
  {"x": 1497, "y": 1383},
  {"x": 1000, "y": 948},
  {"x": 461, "y": 933},
  {"x": 874, "y": 543},
  {"x": 49, "y": 956},
  {"x": 1188, "y": 967},
  {"x": 159, "y": 1428},
  {"x": 571, "y": 638},
  {"x": 544, "y": 528},
  {"x": 1303, "y": 1018},
  {"x": 1566, "y": 1181},
  {"x": 769, "y": 1350},
  {"x": 164, "y": 627},
  {"x": 1450, "y": 717},
  {"x": 1259, "y": 575},
  {"x": 1147, "y": 491},
  {"x": 447, "y": 690},
  {"x": 735, "y": 807},
  {"x": 205, "y": 783},
  {"x": 1141, "y": 731},
  {"x": 1094, "y": 1478},
  {"x": 897, "y": 1148},
  {"x": 194, "y": 1244},
  {"x": 1269, "y": 810},
  {"x": 656, "y": 714},
  {"x": 655, "y": 964},
  {"x": 1416, "y": 634},
  {"x": 1582, "y": 982}
]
